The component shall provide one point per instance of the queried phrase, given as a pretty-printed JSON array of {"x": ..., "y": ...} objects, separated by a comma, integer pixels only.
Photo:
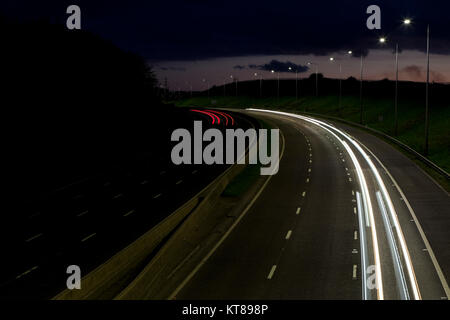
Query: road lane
[
  {"x": 313, "y": 272},
  {"x": 257, "y": 261}
]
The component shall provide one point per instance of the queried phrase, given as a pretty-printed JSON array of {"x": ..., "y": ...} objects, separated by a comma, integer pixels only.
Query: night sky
[{"x": 203, "y": 42}]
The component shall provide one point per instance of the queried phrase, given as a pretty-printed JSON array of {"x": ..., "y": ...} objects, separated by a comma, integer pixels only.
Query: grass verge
[
  {"x": 243, "y": 181},
  {"x": 377, "y": 114}
]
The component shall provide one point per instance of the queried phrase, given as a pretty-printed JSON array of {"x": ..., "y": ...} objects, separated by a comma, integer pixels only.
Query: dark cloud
[
  {"x": 198, "y": 29},
  {"x": 172, "y": 69},
  {"x": 417, "y": 73},
  {"x": 279, "y": 66},
  {"x": 239, "y": 67}
]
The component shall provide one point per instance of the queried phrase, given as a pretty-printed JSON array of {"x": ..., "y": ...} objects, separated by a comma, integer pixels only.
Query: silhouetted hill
[
  {"x": 71, "y": 103},
  {"x": 408, "y": 90}
]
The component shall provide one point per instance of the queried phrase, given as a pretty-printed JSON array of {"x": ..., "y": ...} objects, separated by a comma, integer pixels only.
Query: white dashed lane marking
[
  {"x": 34, "y": 237},
  {"x": 272, "y": 271},
  {"x": 88, "y": 237},
  {"x": 288, "y": 235},
  {"x": 26, "y": 272}
]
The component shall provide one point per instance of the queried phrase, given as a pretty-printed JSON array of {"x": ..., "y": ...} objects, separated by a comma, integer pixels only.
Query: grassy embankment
[{"x": 244, "y": 180}]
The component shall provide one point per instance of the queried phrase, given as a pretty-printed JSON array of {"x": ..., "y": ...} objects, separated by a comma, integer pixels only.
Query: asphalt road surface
[{"x": 334, "y": 224}]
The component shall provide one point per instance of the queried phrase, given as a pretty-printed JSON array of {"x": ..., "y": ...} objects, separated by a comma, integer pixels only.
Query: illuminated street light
[
  {"x": 382, "y": 40},
  {"x": 350, "y": 52},
  {"x": 317, "y": 77},
  {"x": 260, "y": 83},
  {"x": 340, "y": 82},
  {"x": 278, "y": 82},
  {"x": 396, "y": 89},
  {"x": 408, "y": 22},
  {"x": 296, "y": 82},
  {"x": 235, "y": 79},
  {"x": 207, "y": 85}
]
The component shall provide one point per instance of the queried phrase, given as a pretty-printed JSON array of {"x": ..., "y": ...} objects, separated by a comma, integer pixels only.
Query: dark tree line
[{"x": 71, "y": 103}]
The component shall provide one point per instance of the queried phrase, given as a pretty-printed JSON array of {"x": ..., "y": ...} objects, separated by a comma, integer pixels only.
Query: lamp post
[
  {"x": 340, "y": 81},
  {"x": 361, "y": 91},
  {"x": 396, "y": 92},
  {"x": 383, "y": 40},
  {"x": 260, "y": 83},
  {"x": 236, "y": 83},
  {"x": 278, "y": 83},
  {"x": 207, "y": 85},
  {"x": 427, "y": 120},
  {"x": 296, "y": 82},
  {"x": 317, "y": 75},
  {"x": 427, "y": 102},
  {"x": 407, "y": 22}
]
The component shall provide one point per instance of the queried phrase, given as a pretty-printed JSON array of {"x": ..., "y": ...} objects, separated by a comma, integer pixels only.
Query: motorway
[{"x": 336, "y": 222}]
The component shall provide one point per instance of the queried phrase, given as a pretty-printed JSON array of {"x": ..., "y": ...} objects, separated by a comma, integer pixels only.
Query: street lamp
[
  {"x": 427, "y": 120},
  {"x": 361, "y": 91},
  {"x": 278, "y": 83},
  {"x": 260, "y": 83},
  {"x": 317, "y": 79},
  {"x": 408, "y": 22},
  {"x": 383, "y": 40},
  {"x": 340, "y": 82},
  {"x": 296, "y": 82},
  {"x": 207, "y": 85},
  {"x": 235, "y": 79}
]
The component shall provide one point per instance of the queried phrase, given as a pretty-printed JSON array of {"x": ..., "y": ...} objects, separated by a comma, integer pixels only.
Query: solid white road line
[
  {"x": 363, "y": 246},
  {"x": 399, "y": 274}
]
